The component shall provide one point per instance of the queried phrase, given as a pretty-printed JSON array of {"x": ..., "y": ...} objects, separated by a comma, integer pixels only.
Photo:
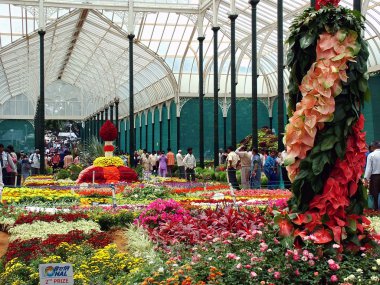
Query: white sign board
[{"x": 56, "y": 273}]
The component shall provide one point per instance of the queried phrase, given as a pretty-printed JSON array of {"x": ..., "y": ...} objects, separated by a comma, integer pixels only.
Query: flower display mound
[
  {"x": 266, "y": 139},
  {"x": 324, "y": 138},
  {"x": 107, "y": 174}
]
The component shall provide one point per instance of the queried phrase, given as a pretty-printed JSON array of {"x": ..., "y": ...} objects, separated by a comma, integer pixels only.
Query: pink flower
[
  {"x": 305, "y": 253},
  {"x": 334, "y": 266},
  {"x": 277, "y": 275},
  {"x": 238, "y": 266},
  {"x": 304, "y": 258},
  {"x": 316, "y": 273},
  {"x": 311, "y": 262},
  {"x": 253, "y": 274},
  {"x": 296, "y": 257},
  {"x": 248, "y": 266},
  {"x": 334, "y": 278},
  {"x": 330, "y": 261},
  {"x": 297, "y": 272},
  {"x": 336, "y": 245},
  {"x": 311, "y": 256},
  {"x": 231, "y": 256},
  {"x": 263, "y": 246}
]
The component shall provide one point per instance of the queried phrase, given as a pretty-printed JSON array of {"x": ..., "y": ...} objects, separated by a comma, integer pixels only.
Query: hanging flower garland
[{"x": 326, "y": 147}]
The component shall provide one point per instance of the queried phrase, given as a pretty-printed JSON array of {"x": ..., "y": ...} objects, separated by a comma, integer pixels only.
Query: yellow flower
[{"x": 108, "y": 161}]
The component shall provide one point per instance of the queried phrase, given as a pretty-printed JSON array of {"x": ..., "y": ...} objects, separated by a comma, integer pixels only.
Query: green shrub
[
  {"x": 63, "y": 174},
  {"x": 75, "y": 169},
  {"x": 110, "y": 220}
]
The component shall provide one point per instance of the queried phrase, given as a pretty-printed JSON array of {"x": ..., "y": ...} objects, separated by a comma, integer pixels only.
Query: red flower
[
  {"x": 108, "y": 131},
  {"x": 108, "y": 148},
  {"x": 320, "y": 3}
]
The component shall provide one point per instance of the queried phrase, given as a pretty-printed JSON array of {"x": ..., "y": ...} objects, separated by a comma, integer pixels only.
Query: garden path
[{"x": 4, "y": 241}]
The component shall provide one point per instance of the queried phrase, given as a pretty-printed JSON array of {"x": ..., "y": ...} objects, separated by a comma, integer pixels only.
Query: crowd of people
[
  {"x": 17, "y": 166},
  {"x": 252, "y": 164},
  {"x": 161, "y": 164}
]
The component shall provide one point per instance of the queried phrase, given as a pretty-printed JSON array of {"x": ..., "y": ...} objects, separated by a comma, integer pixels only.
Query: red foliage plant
[
  {"x": 321, "y": 3},
  {"x": 61, "y": 217},
  {"x": 30, "y": 249},
  {"x": 108, "y": 131}
]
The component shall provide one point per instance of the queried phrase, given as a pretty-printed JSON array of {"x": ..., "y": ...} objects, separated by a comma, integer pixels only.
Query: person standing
[
  {"x": 372, "y": 174},
  {"x": 55, "y": 160},
  {"x": 68, "y": 160},
  {"x": 270, "y": 170},
  {"x": 153, "y": 162},
  {"x": 25, "y": 167},
  {"x": 162, "y": 164},
  {"x": 146, "y": 165},
  {"x": 190, "y": 163},
  {"x": 10, "y": 178},
  {"x": 7, "y": 164},
  {"x": 171, "y": 162},
  {"x": 245, "y": 160},
  {"x": 256, "y": 168},
  {"x": 181, "y": 166},
  {"x": 233, "y": 162},
  {"x": 35, "y": 162}
]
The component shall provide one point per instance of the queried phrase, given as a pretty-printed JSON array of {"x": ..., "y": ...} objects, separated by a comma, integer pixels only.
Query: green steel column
[
  {"x": 216, "y": 91},
  {"x": 169, "y": 134},
  {"x": 111, "y": 114},
  {"x": 200, "y": 94},
  {"x": 280, "y": 75},
  {"x": 141, "y": 147},
  {"x": 358, "y": 5},
  {"x": 312, "y": 3},
  {"x": 41, "y": 145},
  {"x": 117, "y": 123},
  {"x": 233, "y": 80},
  {"x": 97, "y": 125},
  {"x": 94, "y": 130},
  {"x": 106, "y": 113},
  {"x": 271, "y": 122},
  {"x": 131, "y": 99},
  {"x": 146, "y": 136},
  {"x": 160, "y": 126},
  {"x": 225, "y": 133},
  {"x": 126, "y": 135},
  {"x": 102, "y": 117},
  {"x": 255, "y": 134},
  {"x": 153, "y": 148},
  {"x": 178, "y": 132}
]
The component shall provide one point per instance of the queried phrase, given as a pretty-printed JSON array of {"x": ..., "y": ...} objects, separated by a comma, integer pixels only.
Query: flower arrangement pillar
[
  {"x": 108, "y": 133},
  {"x": 324, "y": 139}
]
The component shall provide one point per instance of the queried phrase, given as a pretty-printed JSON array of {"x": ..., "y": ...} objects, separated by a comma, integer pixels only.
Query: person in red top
[
  {"x": 55, "y": 161},
  {"x": 171, "y": 161}
]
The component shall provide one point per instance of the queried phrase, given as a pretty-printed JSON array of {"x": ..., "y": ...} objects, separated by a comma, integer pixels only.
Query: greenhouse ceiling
[{"x": 86, "y": 46}]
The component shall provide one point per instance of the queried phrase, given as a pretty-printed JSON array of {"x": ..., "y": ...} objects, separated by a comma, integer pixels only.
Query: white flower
[
  {"x": 375, "y": 278},
  {"x": 40, "y": 229},
  {"x": 359, "y": 270},
  {"x": 161, "y": 269},
  {"x": 378, "y": 261},
  {"x": 336, "y": 245}
]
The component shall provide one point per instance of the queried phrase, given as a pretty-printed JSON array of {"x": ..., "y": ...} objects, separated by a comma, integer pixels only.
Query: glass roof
[{"x": 166, "y": 50}]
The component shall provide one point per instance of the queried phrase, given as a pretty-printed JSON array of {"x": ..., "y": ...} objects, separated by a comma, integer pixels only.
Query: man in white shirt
[
  {"x": 372, "y": 174},
  {"x": 153, "y": 162},
  {"x": 245, "y": 159},
  {"x": 35, "y": 162},
  {"x": 190, "y": 163},
  {"x": 233, "y": 162},
  {"x": 181, "y": 166}
]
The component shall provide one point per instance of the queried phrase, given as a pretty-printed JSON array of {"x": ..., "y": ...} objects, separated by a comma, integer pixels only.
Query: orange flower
[{"x": 318, "y": 87}]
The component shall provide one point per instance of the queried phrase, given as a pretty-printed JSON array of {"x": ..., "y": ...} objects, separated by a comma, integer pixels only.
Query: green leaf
[
  {"x": 363, "y": 84},
  {"x": 328, "y": 143},
  {"x": 319, "y": 163},
  {"x": 307, "y": 40}
]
